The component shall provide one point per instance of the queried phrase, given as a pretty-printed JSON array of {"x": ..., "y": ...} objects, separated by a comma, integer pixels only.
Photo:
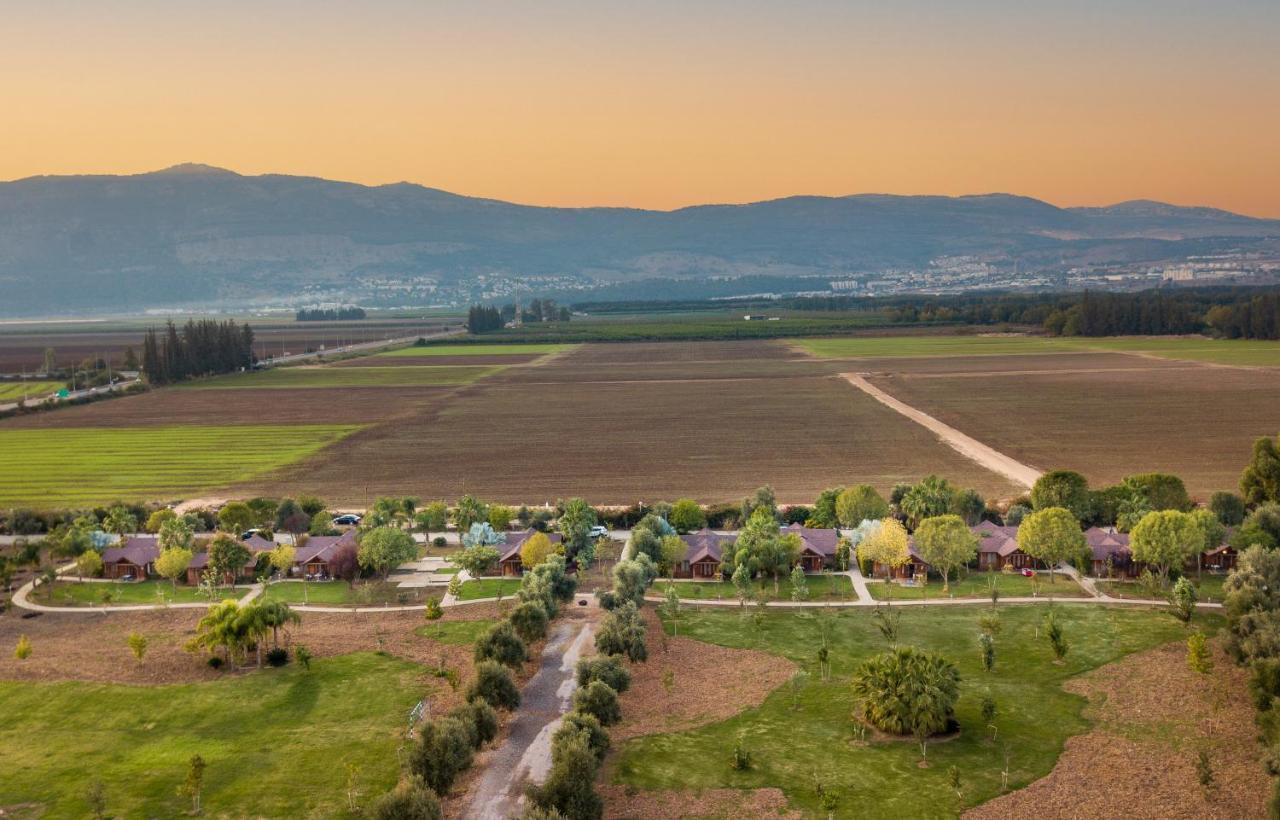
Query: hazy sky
[{"x": 656, "y": 103}]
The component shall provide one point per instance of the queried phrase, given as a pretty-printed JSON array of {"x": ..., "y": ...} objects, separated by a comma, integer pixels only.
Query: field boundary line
[{"x": 965, "y": 445}]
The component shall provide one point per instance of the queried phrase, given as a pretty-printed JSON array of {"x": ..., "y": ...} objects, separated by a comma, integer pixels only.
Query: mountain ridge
[{"x": 197, "y": 233}]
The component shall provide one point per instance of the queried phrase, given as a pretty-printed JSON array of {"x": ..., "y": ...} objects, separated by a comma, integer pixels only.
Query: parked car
[
  {"x": 348, "y": 520},
  {"x": 247, "y": 534},
  {"x": 598, "y": 531},
  {"x": 1028, "y": 572}
]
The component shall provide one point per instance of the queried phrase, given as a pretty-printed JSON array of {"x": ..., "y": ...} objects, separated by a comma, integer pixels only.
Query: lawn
[
  {"x": 1208, "y": 588},
  {"x": 974, "y": 585},
  {"x": 455, "y": 632},
  {"x": 72, "y": 593},
  {"x": 488, "y": 588},
  {"x": 14, "y": 391},
  {"x": 80, "y": 466},
  {"x": 797, "y": 738},
  {"x": 276, "y": 743},
  {"x": 476, "y": 350},
  {"x": 336, "y": 377},
  {"x": 834, "y": 588},
  {"x": 339, "y": 593}
]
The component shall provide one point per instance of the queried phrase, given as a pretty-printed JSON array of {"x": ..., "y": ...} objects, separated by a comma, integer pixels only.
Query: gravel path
[
  {"x": 965, "y": 445},
  {"x": 525, "y": 757}
]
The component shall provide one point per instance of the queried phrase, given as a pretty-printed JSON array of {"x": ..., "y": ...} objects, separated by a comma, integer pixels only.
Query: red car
[{"x": 1028, "y": 572}]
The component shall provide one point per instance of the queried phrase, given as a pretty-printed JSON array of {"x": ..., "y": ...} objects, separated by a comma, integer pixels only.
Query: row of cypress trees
[{"x": 201, "y": 348}]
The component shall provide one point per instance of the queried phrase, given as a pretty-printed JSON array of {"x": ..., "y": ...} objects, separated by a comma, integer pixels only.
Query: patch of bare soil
[
  {"x": 700, "y": 674},
  {"x": 1153, "y": 715},
  {"x": 623, "y": 803}
]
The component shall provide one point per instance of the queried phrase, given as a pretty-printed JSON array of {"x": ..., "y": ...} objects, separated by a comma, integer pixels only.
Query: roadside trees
[
  {"x": 1051, "y": 536},
  {"x": 384, "y": 548},
  {"x": 291, "y": 518},
  {"x": 860, "y": 503},
  {"x": 175, "y": 533},
  {"x": 120, "y": 521},
  {"x": 886, "y": 545},
  {"x": 1165, "y": 539},
  {"x": 762, "y": 498},
  {"x": 469, "y": 510},
  {"x": 443, "y": 751},
  {"x": 236, "y": 517},
  {"x": 576, "y": 520},
  {"x": 501, "y": 643},
  {"x": 944, "y": 542},
  {"x": 687, "y": 515},
  {"x": 622, "y": 633},
  {"x": 500, "y": 517},
  {"x": 158, "y": 517},
  {"x": 433, "y": 518},
  {"x": 1065, "y": 489}
]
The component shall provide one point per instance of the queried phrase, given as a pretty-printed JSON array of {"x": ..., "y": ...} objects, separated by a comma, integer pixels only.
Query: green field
[
  {"x": 1182, "y": 348},
  {"x": 693, "y": 326},
  {"x": 14, "y": 391},
  {"x": 475, "y": 350},
  {"x": 78, "y": 466},
  {"x": 276, "y": 743},
  {"x": 881, "y": 779},
  {"x": 455, "y": 632},
  {"x": 488, "y": 588},
  {"x": 72, "y": 593},
  {"x": 974, "y": 585},
  {"x": 875, "y": 347},
  {"x": 833, "y": 587},
  {"x": 320, "y": 377},
  {"x": 339, "y": 593}
]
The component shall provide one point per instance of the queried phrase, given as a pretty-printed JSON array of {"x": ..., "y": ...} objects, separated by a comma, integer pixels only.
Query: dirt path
[
  {"x": 526, "y": 755},
  {"x": 966, "y": 446}
]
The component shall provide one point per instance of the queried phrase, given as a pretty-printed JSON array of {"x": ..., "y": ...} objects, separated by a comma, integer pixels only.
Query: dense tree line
[
  {"x": 329, "y": 314},
  {"x": 483, "y": 319},
  {"x": 200, "y": 348}
]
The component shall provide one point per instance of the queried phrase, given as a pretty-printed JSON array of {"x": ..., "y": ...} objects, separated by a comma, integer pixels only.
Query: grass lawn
[
  {"x": 320, "y": 377},
  {"x": 488, "y": 588},
  {"x": 83, "y": 466},
  {"x": 834, "y": 587},
  {"x": 73, "y": 593},
  {"x": 13, "y": 391},
  {"x": 1250, "y": 352},
  {"x": 1208, "y": 588},
  {"x": 476, "y": 350},
  {"x": 455, "y": 632},
  {"x": 974, "y": 585},
  {"x": 795, "y": 737},
  {"x": 276, "y": 743},
  {"x": 339, "y": 593}
]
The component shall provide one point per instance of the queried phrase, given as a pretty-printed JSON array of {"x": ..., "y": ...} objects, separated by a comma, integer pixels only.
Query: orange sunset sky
[{"x": 661, "y": 104}]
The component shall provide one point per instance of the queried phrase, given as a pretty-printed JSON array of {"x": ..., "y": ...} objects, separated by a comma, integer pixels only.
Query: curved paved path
[{"x": 965, "y": 445}]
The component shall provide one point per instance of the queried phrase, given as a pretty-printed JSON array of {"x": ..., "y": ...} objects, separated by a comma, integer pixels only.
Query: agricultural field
[
  {"x": 53, "y": 467},
  {"x": 1196, "y": 421},
  {"x": 275, "y": 743},
  {"x": 320, "y": 376},
  {"x": 16, "y": 391},
  {"x": 479, "y": 349},
  {"x": 1035, "y": 715}
]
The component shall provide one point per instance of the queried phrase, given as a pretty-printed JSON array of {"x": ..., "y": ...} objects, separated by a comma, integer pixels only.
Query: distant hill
[{"x": 194, "y": 233}]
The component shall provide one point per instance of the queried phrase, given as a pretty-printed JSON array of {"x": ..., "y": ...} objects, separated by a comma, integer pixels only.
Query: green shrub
[
  {"x": 608, "y": 669},
  {"x": 410, "y": 800},
  {"x": 580, "y": 722},
  {"x": 501, "y": 643},
  {"x": 443, "y": 751},
  {"x": 480, "y": 720},
  {"x": 494, "y": 685},
  {"x": 530, "y": 621},
  {"x": 599, "y": 700}
]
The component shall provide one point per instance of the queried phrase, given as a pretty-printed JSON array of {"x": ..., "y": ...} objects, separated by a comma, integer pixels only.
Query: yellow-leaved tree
[
  {"x": 535, "y": 550},
  {"x": 887, "y": 546}
]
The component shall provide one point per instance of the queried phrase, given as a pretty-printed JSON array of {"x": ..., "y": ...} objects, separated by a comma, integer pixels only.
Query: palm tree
[
  {"x": 220, "y": 628},
  {"x": 254, "y": 624},
  {"x": 277, "y": 615}
]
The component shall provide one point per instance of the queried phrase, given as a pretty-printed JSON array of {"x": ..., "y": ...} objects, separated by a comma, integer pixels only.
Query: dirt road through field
[
  {"x": 525, "y": 757},
  {"x": 967, "y": 446}
]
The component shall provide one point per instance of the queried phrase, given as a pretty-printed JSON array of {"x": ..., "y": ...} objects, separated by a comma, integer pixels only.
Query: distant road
[{"x": 293, "y": 358}]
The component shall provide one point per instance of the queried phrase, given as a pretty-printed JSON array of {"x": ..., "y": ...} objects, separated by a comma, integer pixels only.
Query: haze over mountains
[{"x": 194, "y": 234}]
